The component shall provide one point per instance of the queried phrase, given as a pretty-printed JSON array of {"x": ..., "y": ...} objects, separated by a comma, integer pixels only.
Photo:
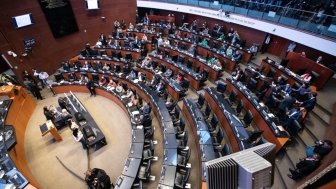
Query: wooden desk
[
  {"x": 49, "y": 127},
  {"x": 246, "y": 55},
  {"x": 158, "y": 18},
  {"x": 297, "y": 62},
  {"x": 18, "y": 115},
  {"x": 258, "y": 118},
  {"x": 194, "y": 83},
  {"x": 213, "y": 74}
]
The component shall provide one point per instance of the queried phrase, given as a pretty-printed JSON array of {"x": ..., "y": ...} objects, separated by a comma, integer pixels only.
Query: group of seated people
[
  {"x": 59, "y": 117},
  {"x": 313, "y": 160}
]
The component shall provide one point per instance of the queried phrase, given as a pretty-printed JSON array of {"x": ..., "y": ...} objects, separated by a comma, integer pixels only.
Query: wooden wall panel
[{"x": 48, "y": 51}]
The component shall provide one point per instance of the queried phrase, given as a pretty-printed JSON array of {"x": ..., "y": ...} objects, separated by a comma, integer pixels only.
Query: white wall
[{"x": 301, "y": 37}]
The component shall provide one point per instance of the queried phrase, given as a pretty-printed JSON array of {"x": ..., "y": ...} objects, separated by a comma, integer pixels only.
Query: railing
[{"x": 315, "y": 22}]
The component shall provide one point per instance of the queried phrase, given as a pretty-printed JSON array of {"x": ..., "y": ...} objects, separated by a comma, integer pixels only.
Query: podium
[{"x": 49, "y": 127}]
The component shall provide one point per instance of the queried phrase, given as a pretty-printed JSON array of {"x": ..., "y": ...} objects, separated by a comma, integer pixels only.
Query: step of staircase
[
  {"x": 278, "y": 181},
  {"x": 283, "y": 163},
  {"x": 316, "y": 126}
]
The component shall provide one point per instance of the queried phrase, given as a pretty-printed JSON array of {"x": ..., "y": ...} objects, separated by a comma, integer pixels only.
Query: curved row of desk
[
  {"x": 246, "y": 55},
  {"x": 9, "y": 176},
  {"x": 205, "y": 52},
  {"x": 196, "y": 62},
  {"x": 273, "y": 131},
  {"x": 169, "y": 165}
]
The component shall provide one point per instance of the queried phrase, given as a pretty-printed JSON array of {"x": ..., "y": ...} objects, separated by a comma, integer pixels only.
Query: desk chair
[
  {"x": 182, "y": 177},
  {"x": 149, "y": 145},
  {"x": 239, "y": 107},
  {"x": 221, "y": 87},
  {"x": 181, "y": 59},
  {"x": 137, "y": 185},
  {"x": 222, "y": 151},
  {"x": 218, "y": 137},
  {"x": 179, "y": 128},
  {"x": 248, "y": 118},
  {"x": 182, "y": 139},
  {"x": 252, "y": 84},
  {"x": 271, "y": 73},
  {"x": 102, "y": 52},
  {"x": 147, "y": 154},
  {"x": 58, "y": 77},
  {"x": 129, "y": 57},
  {"x": 213, "y": 123},
  {"x": 185, "y": 84},
  {"x": 232, "y": 97},
  {"x": 190, "y": 64},
  {"x": 200, "y": 101},
  {"x": 175, "y": 58},
  {"x": 207, "y": 111},
  {"x": 145, "y": 171},
  {"x": 315, "y": 76},
  {"x": 149, "y": 133}
]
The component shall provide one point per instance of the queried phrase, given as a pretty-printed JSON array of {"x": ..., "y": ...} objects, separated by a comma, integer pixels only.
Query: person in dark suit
[
  {"x": 293, "y": 114},
  {"x": 310, "y": 103},
  {"x": 305, "y": 166},
  {"x": 285, "y": 105},
  {"x": 90, "y": 85},
  {"x": 322, "y": 147},
  {"x": 33, "y": 88}
]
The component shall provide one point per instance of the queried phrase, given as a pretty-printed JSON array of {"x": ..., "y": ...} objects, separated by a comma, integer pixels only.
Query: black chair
[
  {"x": 207, "y": 111},
  {"x": 102, "y": 52},
  {"x": 181, "y": 59},
  {"x": 128, "y": 56},
  {"x": 248, "y": 118},
  {"x": 189, "y": 64},
  {"x": 271, "y": 73},
  {"x": 137, "y": 184},
  {"x": 221, "y": 87},
  {"x": 200, "y": 101},
  {"x": 117, "y": 68},
  {"x": 296, "y": 85},
  {"x": 147, "y": 154},
  {"x": 232, "y": 97},
  {"x": 218, "y": 137},
  {"x": 59, "y": 77},
  {"x": 180, "y": 127},
  {"x": 149, "y": 132},
  {"x": 176, "y": 116},
  {"x": 239, "y": 107},
  {"x": 149, "y": 145},
  {"x": 185, "y": 84},
  {"x": 182, "y": 139},
  {"x": 213, "y": 123},
  {"x": 145, "y": 171},
  {"x": 222, "y": 151},
  {"x": 179, "y": 181},
  {"x": 205, "y": 75},
  {"x": 252, "y": 84}
]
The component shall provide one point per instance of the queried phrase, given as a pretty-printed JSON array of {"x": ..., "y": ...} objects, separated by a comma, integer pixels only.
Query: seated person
[
  {"x": 47, "y": 113},
  {"x": 66, "y": 115},
  {"x": 169, "y": 73},
  {"x": 128, "y": 94},
  {"x": 236, "y": 56},
  {"x": 285, "y": 105},
  {"x": 217, "y": 65},
  {"x": 72, "y": 124},
  {"x": 86, "y": 66},
  {"x": 72, "y": 77},
  {"x": 305, "y": 167},
  {"x": 205, "y": 43},
  {"x": 170, "y": 104},
  {"x": 132, "y": 76},
  {"x": 321, "y": 147},
  {"x": 293, "y": 114},
  {"x": 97, "y": 179},
  {"x": 286, "y": 88},
  {"x": 166, "y": 42},
  {"x": 62, "y": 102},
  {"x": 133, "y": 101},
  {"x": 310, "y": 103},
  {"x": 111, "y": 85},
  {"x": 146, "y": 62},
  {"x": 141, "y": 77},
  {"x": 221, "y": 37},
  {"x": 192, "y": 49},
  {"x": 103, "y": 81},
  {"x": 306, "y": 77},
  {"x": 160, "y": 87},
  {"x": 145, "y": 109},
  {"x": 107, "y": 67},
  {"x": 119, "y": 89},
  {"x": 179, "y": 78},
  {"x": 302, "y": 92},
  {"x": 238, "y": 74},
  {"x": 253, "y": 49},
  {"x": 229, "y": 51},
  {"x": 223, "y": 48}
]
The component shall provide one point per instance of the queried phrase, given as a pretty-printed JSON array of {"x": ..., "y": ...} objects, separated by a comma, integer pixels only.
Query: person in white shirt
[
  {"x": 78, "y": 136},
  {"x": 43, "y": 77},
  {"x": 131, "y": 26}
]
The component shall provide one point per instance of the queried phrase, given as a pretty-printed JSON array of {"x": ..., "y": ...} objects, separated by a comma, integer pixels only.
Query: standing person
[
  {"x": 33, "y": 89},
  {"x": 43, "y": 78},
  {"x": 291, "y": 47},
  {"x": 36, "y": 73},
  {"x": 78, "y": 136},
  {"x": 91, "y": 87},
  {"x": 28, "y": 76}
]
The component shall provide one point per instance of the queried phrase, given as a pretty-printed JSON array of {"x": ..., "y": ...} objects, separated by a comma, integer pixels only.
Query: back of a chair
[
  {"x": 200, "y": 100},
  {"x": 232, "y": 97},
  {"x": 221, "y": 87},
  {"x": 214, "y": 121},
  {"x": 248, "y": 117}
]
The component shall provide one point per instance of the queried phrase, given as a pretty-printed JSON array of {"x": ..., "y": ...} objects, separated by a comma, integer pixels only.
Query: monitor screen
[
  {"x": 22, "y": 20},
  {"x": 92, "y": 4}
]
